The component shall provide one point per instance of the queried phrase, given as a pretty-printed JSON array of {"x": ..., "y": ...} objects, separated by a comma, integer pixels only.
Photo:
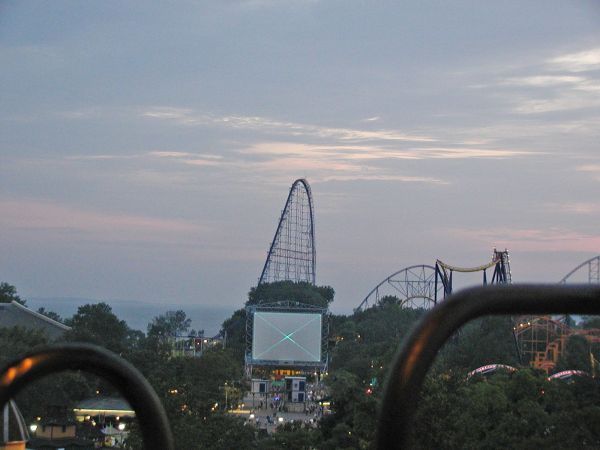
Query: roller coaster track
[
  {"x": 292, "y": 255},
  {"x": 414, "y": 286},
  {"x": 593, "y": 265},
  {"x": 422, "y": 286},
  {"x": 492, "y": 263},
  {"x": 500, "y": 262}
]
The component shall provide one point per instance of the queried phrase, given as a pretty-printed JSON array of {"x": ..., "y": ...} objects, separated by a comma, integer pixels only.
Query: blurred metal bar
[{"x": 132, "y": 385}]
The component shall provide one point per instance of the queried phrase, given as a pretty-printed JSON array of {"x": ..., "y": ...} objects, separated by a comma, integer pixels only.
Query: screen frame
[{"x": 287, "y": 307}]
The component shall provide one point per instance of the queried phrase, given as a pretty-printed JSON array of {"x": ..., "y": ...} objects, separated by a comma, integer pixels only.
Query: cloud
[
  {"x": 589, "y": 168},
  {"x": 321, "y": 153},
  {"x": 191, "y": 159},
  {"x": 469, "y": 153},
  {"x": 583, "y": 208},
  {"x": 184, "y": 157},
  {"x": 543, "y": 80},
  {"x": 533, "y": 239},
  {"x": 101, "y": 157},
  {"x": 562, "y": 83},
  {"x": 166, "y": 112},
  {"x": 373, "y": 152},
  {"x": 593, "y": 169},
  {"x": 367, "y": 177},
  {"x": 168, "y": 154},
  {"x": 79, "y": 114},
  {"x": 187, "y": 117},
  {"x": 581, "y": 61},
  {"x": 303, "y": 165},
  {"x": 564, "y": 102},
  {"x": 55, "y": 220},
  {"x": 203, "y": 162},
  {"x": 355, "y": 162}
]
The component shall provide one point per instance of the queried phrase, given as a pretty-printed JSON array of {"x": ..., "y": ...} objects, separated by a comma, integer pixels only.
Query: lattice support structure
[
  {"x": 414, "y": 286},
  {"x": 593, "y": 271},
  {"x": 292, "y": 254},
  {"x": 541, "y": 340},
  {"x": 422, "y": 286}
]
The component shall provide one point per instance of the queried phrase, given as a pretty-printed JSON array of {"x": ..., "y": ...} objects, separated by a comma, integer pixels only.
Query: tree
[
  {"x": 8, "y": 293},
  {"x": 16, "y": 341},
  {"x": 576, "y": 355},
  {"x": 97, "y": 324},
  {"x": 188, "y": 389},
  {"x": 50, "y": 314},
  {"x": 215, "y": 431},
  {"x": 487, "y": 340},
  {"x": 234, "y": 330},
  {"x": 301, "y": 292},
  {"x": 591, "y": 322},
  {"x": 164, "y": 328},
  {"x": 170, "y": 324},
  {"x": 293, "y": 436},
  {"x": 57, "y": 389}
]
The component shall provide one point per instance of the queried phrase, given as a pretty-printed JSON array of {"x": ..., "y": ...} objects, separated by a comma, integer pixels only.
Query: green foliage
[
  {"x": 16, "y": 341},
  {"x": 170, "y": 324},
  {"x": 363, "y": 346},
  {"x": 222, "y": 431},
  {"x": 521, "y": 411},
  {"x": 59, "y": 389},
  {"x": 8, "y": 293},
  {"x": 366, "y": 341},
  {"x": 97, "y": 324},
  {"x": 50, "y": 314},
  {"x": 576, "y": 355},
  {"x": 289, "y": 291},
  {"x": 488, "y": 340},
  {"x": 215, "y": 431},
  {"x": 293, "y": 436},
  {"x": 189, "y": 388},
  {"x": 234, "y": 330},
  {"x": 340, "y": 436},
  {"x": 590, "y": 322},
  {"x": 163, "y": 329}
]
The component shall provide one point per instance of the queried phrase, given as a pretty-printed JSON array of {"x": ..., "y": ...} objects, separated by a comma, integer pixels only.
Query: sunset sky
[{"x": 146, "y": 148}]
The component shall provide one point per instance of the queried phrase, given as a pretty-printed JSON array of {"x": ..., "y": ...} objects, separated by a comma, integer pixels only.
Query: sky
[{"x": 147, "y": 148}]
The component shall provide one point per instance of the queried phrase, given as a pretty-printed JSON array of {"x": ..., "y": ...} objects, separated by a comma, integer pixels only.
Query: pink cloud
[
  {"x": 533, "y": 240},
  {"x": 26, "y": 216}
]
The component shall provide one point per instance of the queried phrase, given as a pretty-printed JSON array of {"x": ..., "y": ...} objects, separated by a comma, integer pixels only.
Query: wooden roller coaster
[{"x": 542, "y": 340}]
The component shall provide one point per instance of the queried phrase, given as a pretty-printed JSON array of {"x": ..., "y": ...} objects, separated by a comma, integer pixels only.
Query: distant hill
[{"x": 138, "y": 314}]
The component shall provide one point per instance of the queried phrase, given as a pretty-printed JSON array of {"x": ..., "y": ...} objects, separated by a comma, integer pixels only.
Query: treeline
[
  {"x": 522, "y": 410},
  {"x": 519, "y": 410},
  {"x": 192, "y": 390},
  {"x": 188, "y": 387}
]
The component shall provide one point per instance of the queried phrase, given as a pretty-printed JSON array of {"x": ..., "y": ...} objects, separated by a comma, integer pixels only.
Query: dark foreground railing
[
  {"x": 89, "y": 358},
  {"x": 419, "y": 350}
]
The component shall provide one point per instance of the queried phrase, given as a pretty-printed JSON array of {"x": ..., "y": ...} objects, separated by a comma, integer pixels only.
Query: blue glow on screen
[{"x": 287, "y": 337}]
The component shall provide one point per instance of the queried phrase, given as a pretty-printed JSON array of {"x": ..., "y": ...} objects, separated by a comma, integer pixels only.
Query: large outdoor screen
[{"x": 286, "y": 337}]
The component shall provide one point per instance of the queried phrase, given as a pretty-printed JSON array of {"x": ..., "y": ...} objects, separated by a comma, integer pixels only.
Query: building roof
[
  {"x": 107, "y": 406},
  {"x": 16, "y": 315}
]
